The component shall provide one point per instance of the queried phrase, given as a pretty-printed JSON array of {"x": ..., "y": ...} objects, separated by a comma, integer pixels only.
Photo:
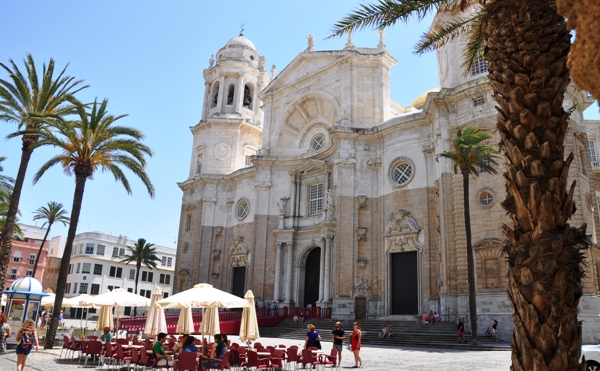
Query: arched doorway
[
  {"x": 404, "y": 277},
  {"x": 312, "y": 277}
]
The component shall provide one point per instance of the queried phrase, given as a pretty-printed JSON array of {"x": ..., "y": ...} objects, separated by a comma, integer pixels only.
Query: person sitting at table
[
  {"x": 105, "y": 334},
  {"x": 159, "y": 351},
  {"x": 179, "y": 345},
  {"x": 218, "y": 350},
  {"x": 187, "y": 346}
]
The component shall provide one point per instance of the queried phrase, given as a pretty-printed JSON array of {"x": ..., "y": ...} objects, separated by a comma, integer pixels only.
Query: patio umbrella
[
  {"x": 249, "y": 325},
  {"x": 210, "y": 322},
  {"x": 185, "y": 323},
  {"x": 116, "y": 298},
  {"x": 155, "y": 321},
  {"x": 105, "y": 318},
  {"x": 202, "y": 295},
  {"x": 78, "y": 302}
]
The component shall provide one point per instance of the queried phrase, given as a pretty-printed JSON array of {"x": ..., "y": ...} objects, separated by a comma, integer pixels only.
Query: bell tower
[{"x": 230, "y": 130}]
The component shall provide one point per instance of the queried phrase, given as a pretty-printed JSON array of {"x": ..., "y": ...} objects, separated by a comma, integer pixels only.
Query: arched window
[
  {"x": 215, "y": 95},
  {"x": 230, "y": 94},
  {"x": 248, "y": 93}
]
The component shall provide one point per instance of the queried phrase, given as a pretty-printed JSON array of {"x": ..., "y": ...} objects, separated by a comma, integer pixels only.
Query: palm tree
[
  {"x": 51, "y": 214},
  {"x": 469, "y": 154},
  {"x": 90, "y": 144},
  {"x": 32, "y": 102},
  {"x": 6, "y": 188},
  {"x": 141, "y": 253},
  {"x": 526, "y": 45}
]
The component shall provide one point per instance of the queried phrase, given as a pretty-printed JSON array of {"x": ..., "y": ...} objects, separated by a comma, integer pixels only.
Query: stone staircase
[{"x": 405, "y": 334}]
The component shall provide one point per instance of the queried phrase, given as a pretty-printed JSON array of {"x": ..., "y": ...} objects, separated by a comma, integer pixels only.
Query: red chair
[
  {"x": 254, "y": 362},
  {"x": 94, "y": 349},
  {"x": 135, "y": 357},
  {"x": 292, "y": 356},
  {"x": 235, "y": 358},
  {"x": 92, "y": 337},
  {"x": 156, "y": 365},
  {"x": 122, "y": 341},
  {"x": 277, "y": 358},
  {"x": 144, "y": 360},
  {"x": 308, "y": 358},
  {"x": 234, "y": 346},
  {"x": 75, "y": 346},
  {"x": 223, "y": 363},
  {"x": 122, "y": 357},
  {"x": 330, "y": 359},
  {"x": 258, "y": 345},
  {"x": 66, "y": 345},
  {"x": 187, "y": 361},
  {"x": 109, "y": 353},
  {"x": 271, "y": 349}
]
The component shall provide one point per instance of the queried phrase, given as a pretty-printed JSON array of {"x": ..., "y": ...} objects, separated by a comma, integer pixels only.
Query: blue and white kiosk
[{"x": 23, "y": 301}]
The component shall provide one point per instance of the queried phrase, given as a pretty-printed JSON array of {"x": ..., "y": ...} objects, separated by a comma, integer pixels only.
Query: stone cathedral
[{"x": 311, "y": 186}]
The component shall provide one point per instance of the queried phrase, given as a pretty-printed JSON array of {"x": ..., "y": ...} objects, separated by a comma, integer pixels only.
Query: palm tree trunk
[
  {"x": 13, "y": 209},
  {"x": 37, "y": 258},
  {"x": 527, "y": 47},
  {"x": 470, "y": 261},
  {"x": 138, "y": 266},
  {"x": 66, "y": 259}
]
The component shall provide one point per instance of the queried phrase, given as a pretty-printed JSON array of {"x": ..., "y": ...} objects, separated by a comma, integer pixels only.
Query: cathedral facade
[{"x": 312, "y": 186}]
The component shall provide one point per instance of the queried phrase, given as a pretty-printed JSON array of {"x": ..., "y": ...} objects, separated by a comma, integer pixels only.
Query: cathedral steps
[{"x": 405, "y": 333}]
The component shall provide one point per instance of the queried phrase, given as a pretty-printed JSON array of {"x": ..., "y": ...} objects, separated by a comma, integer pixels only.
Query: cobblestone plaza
[{"x": 374, "y": 358}]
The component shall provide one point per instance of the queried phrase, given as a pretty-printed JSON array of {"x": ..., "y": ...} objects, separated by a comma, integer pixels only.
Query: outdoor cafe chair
[
  {"x": 187, "y": 361},
  {"x": 135, "y": 357},
  {"x": 122, "y": 341},
  {"x": 109, "y": 353},
  {"x": 122, "y": 357},
  {"x": 234, "y": 359},
  {"x": 255, "y": 362},
  {"x": 308, "y": 358},
  {"x": 271, "y": 349},
  {"x": 277, "y": 359},
  {"x": 75, "y": 346},
  {"x": 223, "y": 363},
  {"x": 330, "y": 359},
  {"x": 92, "y": 337},
  {"x": 144, "y": 360},
  {"x": 66, "y": 344},
  {"x": 93, "y": 349},
  {"x": 292, "y": 358}
]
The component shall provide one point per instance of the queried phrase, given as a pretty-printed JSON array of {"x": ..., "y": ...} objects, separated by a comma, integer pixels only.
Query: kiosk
[{"x": 23, "y": 301}]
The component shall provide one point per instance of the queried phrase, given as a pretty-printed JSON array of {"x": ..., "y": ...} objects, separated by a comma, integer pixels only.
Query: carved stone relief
[
  {"x": 238, "y": 253},
  {"x": 402, "y": 233},
  {"x": 361, "y": 288}
]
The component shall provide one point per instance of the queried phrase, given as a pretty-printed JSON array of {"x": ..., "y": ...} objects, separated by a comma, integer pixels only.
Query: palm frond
[{"x": 442, "y": 33}]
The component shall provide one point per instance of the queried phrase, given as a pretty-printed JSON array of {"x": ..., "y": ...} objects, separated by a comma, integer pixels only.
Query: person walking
[
  {"x": 495, "y": 330},
  {"x": 356, "y": 338},
  {"x": 5, "y": 332},
  {"x": 337, "y": 337},
  {"x": 461, "y": 331},
  {"x": 313, "y": 339},
  {"x": 26, "y": 338}
]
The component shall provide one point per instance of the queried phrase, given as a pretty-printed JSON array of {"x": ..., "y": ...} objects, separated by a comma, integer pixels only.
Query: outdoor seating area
[{"x": 136, "y": 353}]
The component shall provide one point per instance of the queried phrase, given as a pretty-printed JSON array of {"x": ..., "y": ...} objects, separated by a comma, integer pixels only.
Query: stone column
[
  {"x": 322, "y": 273},
  {"x": 277, "y": 272},
  {"x": 238, "y": 94},
  {"x": 288, "y": 272},
  {"x": 293, "y": 200},
  {"x": 221, "y": 99},
  {"x": 327, "y": 288},
  {"x": 207, "y": 100}
]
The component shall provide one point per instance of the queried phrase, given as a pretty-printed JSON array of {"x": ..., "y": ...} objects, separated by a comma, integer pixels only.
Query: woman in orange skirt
[{"x": 355, "y": 340}]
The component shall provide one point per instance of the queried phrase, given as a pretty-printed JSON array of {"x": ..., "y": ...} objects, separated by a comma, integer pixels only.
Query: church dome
[
  {"x": 240, "y": 40},
  {"x": 420, "y": 101},
  {"x": 27, "y": 284}
]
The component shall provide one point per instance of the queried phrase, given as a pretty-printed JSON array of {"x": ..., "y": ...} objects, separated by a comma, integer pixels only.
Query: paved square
[{"x": 415, "y": 359}]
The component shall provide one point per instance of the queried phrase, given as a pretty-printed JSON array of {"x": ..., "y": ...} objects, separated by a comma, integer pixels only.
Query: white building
[{"x": 95, "y": 266}]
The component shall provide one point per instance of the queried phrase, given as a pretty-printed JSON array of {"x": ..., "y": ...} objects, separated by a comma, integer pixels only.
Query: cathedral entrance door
[
  {"x": 360, "y": 308},
  {"x": 405, "y": 292},
  {"x": 239, "y": 281},
  {"x": 312, "y": 277}
]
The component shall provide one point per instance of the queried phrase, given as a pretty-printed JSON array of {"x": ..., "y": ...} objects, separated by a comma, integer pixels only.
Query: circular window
[
  {"x": 252, "y": 57},
  {"x": 401, "y": 172},
  {"x": 318, "y": 142},
  {"x": 486, "y": 198},
  {"x": 242, "y": 209}
]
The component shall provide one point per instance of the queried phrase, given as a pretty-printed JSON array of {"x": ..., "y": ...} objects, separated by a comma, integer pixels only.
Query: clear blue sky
[{"x": 147, "y": 58}]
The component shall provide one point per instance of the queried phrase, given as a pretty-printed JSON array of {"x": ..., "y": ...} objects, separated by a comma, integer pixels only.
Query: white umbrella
[
  {"x": 210, "y": 322},
  {"x": 249, "y": 325},
  {"x": 117, "y": 298},
  {"x": 185, "y": 323},
  {"x": 155, "y": 321},
  {"x": 78, "y": 302},
  {"x": 202, "y": 295}
]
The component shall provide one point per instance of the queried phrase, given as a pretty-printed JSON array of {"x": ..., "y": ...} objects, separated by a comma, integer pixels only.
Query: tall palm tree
[
  {"x": 470, "y": 153},
  {"x": 526, "y": 45},
  {"x": 54, "y": 212},
  {"x": 32, "y": 102},
  {"x": 141, "y": 253},
  {"x": 6, "y": 188},
  {"x": 90, "y": 144}
]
